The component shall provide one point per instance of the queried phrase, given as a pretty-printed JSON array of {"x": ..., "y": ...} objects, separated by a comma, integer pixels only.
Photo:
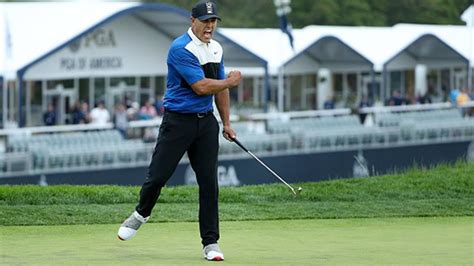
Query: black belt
[{"x": 198, "y": 115}]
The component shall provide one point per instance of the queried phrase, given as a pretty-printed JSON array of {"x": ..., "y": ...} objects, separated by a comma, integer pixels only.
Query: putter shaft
[
  {"x": 264, "y": 165},
  {"x": 271, "y": 171}
]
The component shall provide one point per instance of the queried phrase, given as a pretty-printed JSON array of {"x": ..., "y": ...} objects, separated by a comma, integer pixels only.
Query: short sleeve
[
  {"x": 221, "y": 73},
  {"x": 186, "y": 64}
]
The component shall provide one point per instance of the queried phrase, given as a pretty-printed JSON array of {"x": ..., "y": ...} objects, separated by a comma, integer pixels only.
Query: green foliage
[
  {"x": 443, "y": 191},
  {"x": 261, "y": 13}
]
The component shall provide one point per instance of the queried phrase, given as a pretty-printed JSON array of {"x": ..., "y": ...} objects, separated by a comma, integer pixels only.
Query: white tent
[
  {"x": 468, "y": 16},
  {"x": 38, "y": 28},
  {"x": 270, "y": 44},
  {"x": 83, "y": 40},
  {"x": 313, "y": 50},
  {"x": 39, "y": 41},
  {"x": 402, "y": 46},
  {"x": 376, "y": 44},
  {"x": 380, "y": 44}
]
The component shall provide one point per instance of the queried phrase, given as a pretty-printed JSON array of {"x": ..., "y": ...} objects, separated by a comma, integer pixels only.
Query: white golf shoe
[
  {"x": 129, "y": 227},
  {"x": 212, "y": 252}
]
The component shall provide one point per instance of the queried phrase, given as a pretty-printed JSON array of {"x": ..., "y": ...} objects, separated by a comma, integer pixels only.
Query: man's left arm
[{"x": 222, "y": 100}]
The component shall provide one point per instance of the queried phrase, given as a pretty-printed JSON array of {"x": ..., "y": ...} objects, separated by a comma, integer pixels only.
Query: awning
[
  {"x": 132, "y": 41},
  {"x": 327, "y": 52},
  {"x": 49, "y": 40},
  {"x": 428, "y": 50}
]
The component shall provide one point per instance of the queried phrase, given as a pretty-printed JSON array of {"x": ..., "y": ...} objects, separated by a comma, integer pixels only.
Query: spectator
[
  {"x": 422, "y": 99},
  {"x": 453, "y": 95},
  {"x": 76, "y": 113},
  {"x": 364, "y": 102},
  {"x": 132, "y": 111},
  {"x": 100, "y": 115},
  {"x": 49, "y": 117},
  {"x": 396, "y": 99},
  {"x": 462, "y": 99},
  {"x": 121, "y": 119},
  {"x": 330, "y": 103},
  {"x": 80, "y": 113},
  {"x": 85, "y": 110},
  {"x": 147, "y": 111},
  {"x": 470, "y": 111}
]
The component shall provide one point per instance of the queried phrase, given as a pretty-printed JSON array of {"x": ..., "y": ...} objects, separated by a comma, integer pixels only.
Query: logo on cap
[
  {"x": 209, "y": 8},
  {"x": 204, "y": 10}
]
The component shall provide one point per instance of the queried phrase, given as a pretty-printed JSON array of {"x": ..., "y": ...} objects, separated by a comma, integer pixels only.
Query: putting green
[{"x": 441, "y": 241}]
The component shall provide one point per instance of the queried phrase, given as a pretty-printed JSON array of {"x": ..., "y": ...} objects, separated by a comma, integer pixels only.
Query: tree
[{"x": 261, "y": 13}]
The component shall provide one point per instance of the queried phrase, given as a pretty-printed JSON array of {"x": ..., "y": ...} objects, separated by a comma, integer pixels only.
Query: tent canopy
[
  {"x": 327, "y": 52},
  {"x": 468, "y": 16},
  {"x": 380, "y": 44},
  {"x": 32, "y": 33},
  {"x": 428, "y": 50},
  {"x": 376, "y": 45}
]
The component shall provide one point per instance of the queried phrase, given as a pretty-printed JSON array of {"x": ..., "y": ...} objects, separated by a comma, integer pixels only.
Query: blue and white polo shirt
[{"x": 191, "y": 60}]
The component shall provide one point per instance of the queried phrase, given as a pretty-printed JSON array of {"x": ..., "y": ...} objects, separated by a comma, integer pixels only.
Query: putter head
[{"x": 297, "y": 192}]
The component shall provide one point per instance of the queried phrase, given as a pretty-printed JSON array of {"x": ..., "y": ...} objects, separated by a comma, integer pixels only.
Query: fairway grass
[{"x": 422, "y": 240}]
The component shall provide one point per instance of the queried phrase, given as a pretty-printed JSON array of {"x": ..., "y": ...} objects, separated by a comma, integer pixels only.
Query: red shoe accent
[{"x": 217, "y": 259}]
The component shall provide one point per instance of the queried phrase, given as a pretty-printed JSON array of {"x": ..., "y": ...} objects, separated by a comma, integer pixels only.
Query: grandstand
[
  {"x": 341, "y": 63},
  {"x": 83, "y": 150},
  {"x": 65, "y": 149}
]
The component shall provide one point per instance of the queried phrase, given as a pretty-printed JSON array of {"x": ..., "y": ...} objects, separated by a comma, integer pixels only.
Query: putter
[{"x": 295, "y": 192}]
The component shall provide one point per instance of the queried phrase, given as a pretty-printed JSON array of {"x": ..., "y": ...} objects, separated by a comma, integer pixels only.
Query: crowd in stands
[
  {"x": 151, "y": 109},
  {"x": 99, "y": 115},
  {"x": 50, "y": 117},
  {"x": 456, "y": 97}
]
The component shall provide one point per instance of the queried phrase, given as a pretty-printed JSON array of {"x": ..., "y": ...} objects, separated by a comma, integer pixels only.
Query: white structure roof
[
  {"x": 270, "y": 44},
  {"x": 377, "y": 44},
  {"x": 460, "y": 38},
  {"x": 468, "y": 16},
  {"x": 30, "y": 31},
  {"x": 35, "y": 29},
  {"x": 38, "y": 33}
]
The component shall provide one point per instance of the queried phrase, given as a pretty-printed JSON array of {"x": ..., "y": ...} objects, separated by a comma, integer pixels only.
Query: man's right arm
[
  {"x": 190, "y": 69},
  {"x": 208, "y": 86}
]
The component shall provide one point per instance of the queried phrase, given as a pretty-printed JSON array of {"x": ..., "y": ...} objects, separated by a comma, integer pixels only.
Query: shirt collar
[{"x": 194, "y": 38}]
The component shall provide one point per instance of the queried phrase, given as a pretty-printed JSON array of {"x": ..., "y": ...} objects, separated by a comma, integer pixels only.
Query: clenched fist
[{"x": 234, "y": 78}]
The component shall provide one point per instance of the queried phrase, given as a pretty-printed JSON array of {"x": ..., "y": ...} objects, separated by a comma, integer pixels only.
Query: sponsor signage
[
  {"x": 227, "y": 176},
  {"x": 123, "y": 47},
  {"x": 98, "y": 39},
  {"x": 293, "y": 168}
]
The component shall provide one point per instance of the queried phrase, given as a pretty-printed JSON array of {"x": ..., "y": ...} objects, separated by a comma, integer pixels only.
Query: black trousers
[{"x": 198, "y": 135}]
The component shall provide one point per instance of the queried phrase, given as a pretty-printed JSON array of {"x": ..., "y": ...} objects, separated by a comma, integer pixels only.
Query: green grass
[
  {"x": 418, "y": 217},
  {"x": 421, "y": 241},
  {"x": 447, "y": 190}
]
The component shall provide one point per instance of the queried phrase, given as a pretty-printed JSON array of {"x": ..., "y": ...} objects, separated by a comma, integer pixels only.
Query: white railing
[
  {"x": 53, "y": 129},
  {"x": 299, "y": 114},
  {"x": 34, "y": 158},
  {"x": 413, "y": 107}
]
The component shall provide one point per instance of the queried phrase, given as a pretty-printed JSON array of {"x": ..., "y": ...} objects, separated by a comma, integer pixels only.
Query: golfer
[{"x": 195, "y": 78}]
